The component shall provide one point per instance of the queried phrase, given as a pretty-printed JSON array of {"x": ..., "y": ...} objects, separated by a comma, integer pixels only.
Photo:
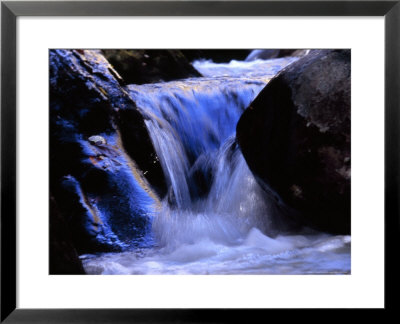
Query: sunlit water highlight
[{"x": 215, "y": 218}]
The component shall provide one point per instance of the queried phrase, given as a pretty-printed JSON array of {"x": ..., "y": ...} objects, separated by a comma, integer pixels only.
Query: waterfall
[
  {"x": 188, "y": 121},
  {"x": 215, "y": 217},
  {"x": 192, "y": 125}
]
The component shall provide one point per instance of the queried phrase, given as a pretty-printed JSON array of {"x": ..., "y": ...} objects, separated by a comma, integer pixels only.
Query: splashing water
[{"x": 215, "y": 218}]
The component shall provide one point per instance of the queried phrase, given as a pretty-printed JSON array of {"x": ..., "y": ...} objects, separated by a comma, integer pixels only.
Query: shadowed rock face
[
  {"x": 99, "y": 146},
  {"x": 86, "y": 99},
  {"x": 149, "y": 66},
  {"x": 63, "y": 256},
  {"x": 295, "y": 137}
]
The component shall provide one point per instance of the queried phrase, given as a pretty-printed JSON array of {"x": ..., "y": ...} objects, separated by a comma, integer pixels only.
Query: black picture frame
[{"x": 10, "y": 10}]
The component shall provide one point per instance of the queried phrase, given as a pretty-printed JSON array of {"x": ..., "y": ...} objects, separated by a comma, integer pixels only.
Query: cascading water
[{"x": 215, "y": 218}]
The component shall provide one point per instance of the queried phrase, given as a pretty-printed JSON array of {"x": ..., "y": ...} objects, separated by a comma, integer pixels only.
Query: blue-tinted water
[{"x": 215, "y": 218}]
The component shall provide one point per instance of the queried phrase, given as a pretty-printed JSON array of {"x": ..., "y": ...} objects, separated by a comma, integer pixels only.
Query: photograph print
[{"x": 200, "y": 161}]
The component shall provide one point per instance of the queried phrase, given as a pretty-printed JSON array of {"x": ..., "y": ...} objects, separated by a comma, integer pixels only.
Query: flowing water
[{"x": 215, "y": 218}]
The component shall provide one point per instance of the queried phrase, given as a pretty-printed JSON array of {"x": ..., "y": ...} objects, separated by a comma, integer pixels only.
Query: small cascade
[
  {"x": 189, "y": 121},
  {"x": 215, "y": 217}
]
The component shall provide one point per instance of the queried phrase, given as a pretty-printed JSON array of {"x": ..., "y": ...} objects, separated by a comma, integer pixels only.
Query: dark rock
[
  {"x": 137, "y": 144},
  {"x": 216, "y": 55},
  {"x": 201, "y": 174},
  {"x": 149, "y": 66},
  {"x": 63, "y": 256},
  {"x": 97, "y": 155},
  {"x": 295, "y": 137},
  {"x": 86, "y": 100}
]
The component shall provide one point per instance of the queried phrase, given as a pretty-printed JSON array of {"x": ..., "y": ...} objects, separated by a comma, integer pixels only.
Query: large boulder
[
  {"x": 149, "y": 66},
  {"x": 104, "y": 173},
  {"x": 295, "y": 137}
]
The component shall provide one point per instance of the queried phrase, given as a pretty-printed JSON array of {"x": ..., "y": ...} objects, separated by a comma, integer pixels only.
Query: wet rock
[
  {"x": 97, "y": 140},
  {"x": 86, "y": 99},
  {"x": 149, "y": 66},
  {"x": 295, "y": 137},
  {"x": 96, "y": 160}
]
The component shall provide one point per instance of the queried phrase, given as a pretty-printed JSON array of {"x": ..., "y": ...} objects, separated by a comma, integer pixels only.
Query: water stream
[{"x": 215, "y": 218}]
